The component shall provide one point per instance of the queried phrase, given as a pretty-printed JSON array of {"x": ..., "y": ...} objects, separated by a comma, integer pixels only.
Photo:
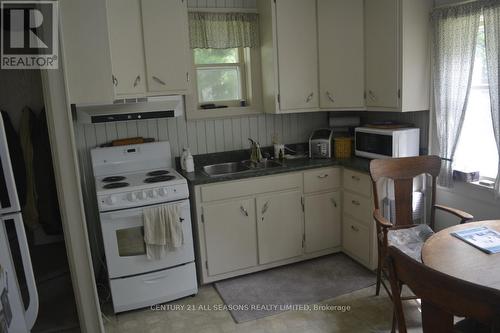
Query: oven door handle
[
  {"x": 121, "y": 215},
  {"x": 132, "y": 213}
]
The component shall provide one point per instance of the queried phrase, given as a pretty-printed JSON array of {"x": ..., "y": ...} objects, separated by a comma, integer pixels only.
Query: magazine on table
[{"x": 483, "y": 238}]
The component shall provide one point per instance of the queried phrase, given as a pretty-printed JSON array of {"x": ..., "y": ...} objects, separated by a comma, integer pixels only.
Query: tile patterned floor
[{"x": 368, "y": 313}]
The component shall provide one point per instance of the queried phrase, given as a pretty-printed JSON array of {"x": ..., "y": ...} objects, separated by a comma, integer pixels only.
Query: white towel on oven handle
[{"x": 162, "y": 230}]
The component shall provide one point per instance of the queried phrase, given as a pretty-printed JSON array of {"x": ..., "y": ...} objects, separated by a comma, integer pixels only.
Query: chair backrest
[
  {"x": 447, "y": 293},
  {"x": 402, "y": 171}
]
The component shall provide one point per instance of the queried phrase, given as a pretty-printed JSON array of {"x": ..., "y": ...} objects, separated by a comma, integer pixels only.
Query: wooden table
[{"x": 454, "y": 257}]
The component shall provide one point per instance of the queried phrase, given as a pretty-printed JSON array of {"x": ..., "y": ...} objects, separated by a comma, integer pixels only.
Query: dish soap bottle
[
  {"x": 183, "y": 158},
  {"x": 189, "y": 162}
]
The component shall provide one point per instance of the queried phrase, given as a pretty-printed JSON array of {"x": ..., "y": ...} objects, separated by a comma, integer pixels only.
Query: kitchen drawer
[
  {"x": 321, "y": 179},
  {"x": 357, "y": 182},
  {"x": 252, "y": 186},
  {"x": 153, "y": 288},
  {"x": 358, "y": 206},
  {"x": 356, "y": 239}
]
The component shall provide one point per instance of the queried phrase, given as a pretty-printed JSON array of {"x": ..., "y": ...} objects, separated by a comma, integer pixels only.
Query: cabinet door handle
[
  {"x": 356, "y": 178},
  {"x": 330, "y": 97},
  {"x": 325, "y": 175},
  {"x": 356, "y": 229},
  {"x": 372, "y": 95},
  {"x": 355, "y": 202},
  {"x": 334, "y": 202},
  {"x": 137, "y": 80},
  {"x": 115, "y": 80},
  {"x": 244, "y": 211},
  {"x": 160, "y": 81},
  {"x": 265, "y": 207},
  {"x": 310, "y": 97}
]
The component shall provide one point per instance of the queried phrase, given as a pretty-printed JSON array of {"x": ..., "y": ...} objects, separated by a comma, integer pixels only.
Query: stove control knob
[
  {"x": 132, "y": 197},
  {"x": 111, "y": 200},
  {"x": 164, "y": 192},
  {"x": 143, "y": 195},
  {"x": 153, "y": 194}
]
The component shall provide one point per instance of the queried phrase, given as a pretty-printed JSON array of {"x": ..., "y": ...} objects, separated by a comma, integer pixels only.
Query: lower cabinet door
[
  {"x": 230, "y": 236},
  {"x": 280, "y": 226},
  {"x": 356, "y": 240},
  {"x": 322, "y": 221}
]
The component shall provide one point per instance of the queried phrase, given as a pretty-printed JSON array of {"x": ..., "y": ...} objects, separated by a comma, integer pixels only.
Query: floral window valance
[{"x": 223, "y": 30}]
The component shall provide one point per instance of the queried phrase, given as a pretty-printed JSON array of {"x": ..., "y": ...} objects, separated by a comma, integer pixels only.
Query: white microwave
[{"x": 386, "y": 143}]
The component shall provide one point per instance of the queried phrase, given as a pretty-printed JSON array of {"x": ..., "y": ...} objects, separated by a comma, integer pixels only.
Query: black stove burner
[
  {"x": 115, "y": 185},
  {"x": 113, "y": 179},
  {"x": 158, "y": 179},
  {"x": 157, "y": 173}
]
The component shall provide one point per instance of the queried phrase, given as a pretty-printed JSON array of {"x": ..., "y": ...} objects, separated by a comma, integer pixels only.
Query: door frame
[{"x": 68, "y": 183}]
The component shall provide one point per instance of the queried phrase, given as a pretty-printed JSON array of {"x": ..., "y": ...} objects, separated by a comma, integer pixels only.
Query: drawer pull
[
  {"x": 356, "y": 229},
  {"x": 355, "y": 202},
  {"x": 323, "y": 175},
  {"x": 356, "y": 178},
  {"x": 244, "y": 211},
  {"x": 334, "y": 202}
]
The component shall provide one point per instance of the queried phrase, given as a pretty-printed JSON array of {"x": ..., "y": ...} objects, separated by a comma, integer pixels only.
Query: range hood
[{"x": 132, "y": 109}]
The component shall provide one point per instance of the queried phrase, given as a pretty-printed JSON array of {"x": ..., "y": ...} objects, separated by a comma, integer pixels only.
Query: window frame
[{"x": 249, "y": 58}]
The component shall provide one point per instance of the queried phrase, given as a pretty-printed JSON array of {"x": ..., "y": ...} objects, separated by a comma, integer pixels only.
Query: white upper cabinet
[
  {"x": 132, "y": 48},
  {"x": 289, "y": 52},
  {"x": 397, "y": 54},
  {"x": 297, "y": 54},
  {"x": 85, "y": 52},
  {"x": 341, "y": 54},
  {"x": 127, "y": 50},
  {"x": 166, "y": 45}
]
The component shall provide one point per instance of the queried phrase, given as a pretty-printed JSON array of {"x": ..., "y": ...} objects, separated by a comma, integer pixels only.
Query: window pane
[
  {"x": 480, "y": 73},
  {"x": 476, "y": 149},
  {"x": 218, "y": 84},
  {"x": 215, "y": 56}
]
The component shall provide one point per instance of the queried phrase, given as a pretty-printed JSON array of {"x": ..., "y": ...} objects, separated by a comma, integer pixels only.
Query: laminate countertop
[{"x": 199, "y": 177}]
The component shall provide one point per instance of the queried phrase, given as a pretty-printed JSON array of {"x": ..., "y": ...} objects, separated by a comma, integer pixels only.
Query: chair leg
[
  {"x": 394, "y": 321},
  {"x": 379, "y": 275}
]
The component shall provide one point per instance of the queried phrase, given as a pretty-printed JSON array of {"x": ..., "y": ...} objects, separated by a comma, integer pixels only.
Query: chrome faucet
[{"x": 255, "y": 152}]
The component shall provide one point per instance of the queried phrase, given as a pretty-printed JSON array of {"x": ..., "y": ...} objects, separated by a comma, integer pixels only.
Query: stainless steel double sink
[{"x": 231, "y": 168}]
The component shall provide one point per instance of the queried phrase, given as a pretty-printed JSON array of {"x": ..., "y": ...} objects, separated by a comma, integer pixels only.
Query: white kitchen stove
[{"x": 127, "y": 180}]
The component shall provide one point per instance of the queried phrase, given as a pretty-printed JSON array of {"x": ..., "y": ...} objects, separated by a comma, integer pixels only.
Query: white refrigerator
[{"x": 15, "y": 316}]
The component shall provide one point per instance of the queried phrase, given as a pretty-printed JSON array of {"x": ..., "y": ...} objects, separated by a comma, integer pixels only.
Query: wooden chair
[
  {"x": 442, "y": 297},
  {"x": 402, "y": 171}
]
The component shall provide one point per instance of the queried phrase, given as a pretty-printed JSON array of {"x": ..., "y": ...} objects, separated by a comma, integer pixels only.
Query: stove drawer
[{"x": 153, "y": 288}]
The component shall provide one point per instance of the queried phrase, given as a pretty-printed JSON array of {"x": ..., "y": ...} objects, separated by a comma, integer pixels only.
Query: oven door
[{"x": 123, "y": 237}]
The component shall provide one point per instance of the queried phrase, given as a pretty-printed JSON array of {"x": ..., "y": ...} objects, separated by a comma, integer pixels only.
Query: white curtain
[
  {"x": 492, "y": 32},
  {"x": 455, "y": 34}
]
